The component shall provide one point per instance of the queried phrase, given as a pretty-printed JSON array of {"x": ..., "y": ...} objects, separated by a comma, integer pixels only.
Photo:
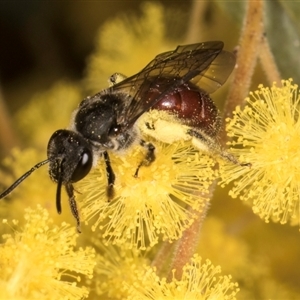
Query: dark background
[{"x": 51, "y": 39}]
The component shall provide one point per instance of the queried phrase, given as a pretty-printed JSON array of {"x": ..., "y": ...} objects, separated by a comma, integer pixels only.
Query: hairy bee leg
[
  {"x": 212, "y": 145},
  {"x": 73, "y": 205},
  {"x": 149, "y": 158},
  {"x": 110, "y": 176}
]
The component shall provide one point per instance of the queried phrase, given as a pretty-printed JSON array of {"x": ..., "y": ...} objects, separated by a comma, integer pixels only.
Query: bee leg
[
  {"x": 110, "y": 176},
  {"x": 149, "y": 158},
  {"x": 204, "y": 142},
  {"x": 73, "y": 205}
]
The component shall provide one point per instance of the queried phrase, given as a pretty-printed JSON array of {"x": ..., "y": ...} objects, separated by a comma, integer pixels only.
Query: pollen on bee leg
[
  {"x": 200, "y": 144},
  {"x": 162, "y": 126}
]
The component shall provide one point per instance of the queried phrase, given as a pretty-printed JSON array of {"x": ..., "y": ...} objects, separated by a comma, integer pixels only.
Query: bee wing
[
  {"x": 217, "y": 72},
  {"x": 204, "y": 64}
]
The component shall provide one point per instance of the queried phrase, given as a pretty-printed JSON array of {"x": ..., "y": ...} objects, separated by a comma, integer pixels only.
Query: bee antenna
[
  {"x": 23, "y": 177},
  {"x": 58, "y": 195}
]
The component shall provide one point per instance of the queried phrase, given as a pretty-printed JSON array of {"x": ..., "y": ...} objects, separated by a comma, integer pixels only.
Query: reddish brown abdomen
[{"x": 192, "y": 106}]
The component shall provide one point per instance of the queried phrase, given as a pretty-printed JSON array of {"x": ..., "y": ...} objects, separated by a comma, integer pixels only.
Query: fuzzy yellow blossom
[
  {"x": 40, "y": 262},
  {"x": 115, "y": 270},
  {"x": 199, "y": 280},
  {"x": 127, "y": 43},
  {"x": 32, "y": 189},
  {"x": 155, "y": 203},
  {"x": 266, "y": 134},
  {"x": 46, "y": 112}
]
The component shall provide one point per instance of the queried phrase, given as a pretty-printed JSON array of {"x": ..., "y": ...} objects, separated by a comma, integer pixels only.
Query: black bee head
[
  {"x": 70, "y": 159},
  {"x": 70, "y": 156}
]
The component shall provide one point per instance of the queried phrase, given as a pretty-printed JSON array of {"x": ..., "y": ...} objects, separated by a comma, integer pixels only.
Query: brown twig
[
  {"x": 268, "y": 62},
  {"x": 162, "y": 256},
  {"x": 249, "y": 47},
  {"x": 186, "y": 245}
]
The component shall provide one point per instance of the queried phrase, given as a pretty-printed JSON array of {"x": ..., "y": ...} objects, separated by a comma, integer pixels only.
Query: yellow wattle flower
[
  {"x": 115, "y": 270},
  {"x": 153, "y": 205},
  {"x": 41, "y": 262},
  {"x": 199, "y": 281},
  {"x": 139, "y": 39},
  {"x": 266, "y": 134},
  {"x": 46, "y": 112}
]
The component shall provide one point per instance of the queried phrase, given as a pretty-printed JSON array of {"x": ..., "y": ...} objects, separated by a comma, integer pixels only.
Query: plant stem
[
  {"x": 268, "y": 62},
  {"x": 249, "y": 47},
  {"x": 186, "y": 245},
  {"x": 162, "y": 256}
]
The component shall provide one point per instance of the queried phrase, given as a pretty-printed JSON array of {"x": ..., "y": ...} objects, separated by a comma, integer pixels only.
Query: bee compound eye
[{"x": 83, "y": 167}]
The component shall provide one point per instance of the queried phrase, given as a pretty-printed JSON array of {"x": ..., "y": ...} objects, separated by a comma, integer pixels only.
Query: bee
[{"x": 176, "y": 83}]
